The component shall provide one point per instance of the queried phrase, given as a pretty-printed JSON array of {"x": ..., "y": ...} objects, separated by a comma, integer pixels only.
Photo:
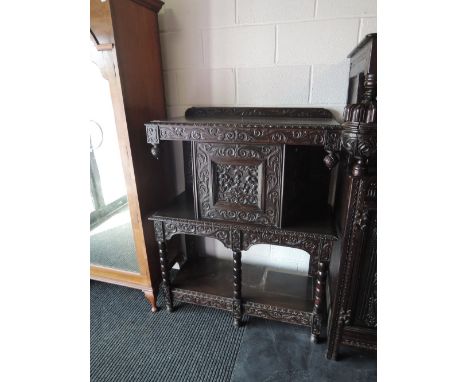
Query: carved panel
[
  {"x": 236, "y": 184},
  {"x": 239, "y": 183},
  {"x": 366, "y": 300}
]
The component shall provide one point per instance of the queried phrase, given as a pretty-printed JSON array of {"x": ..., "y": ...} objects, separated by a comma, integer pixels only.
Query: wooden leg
[
  {"x": 319, "y": 300},
  {"x": 237, "y": 302},
  {"x": 165, "y": 273},
  {"x": 149, "y": 295}
]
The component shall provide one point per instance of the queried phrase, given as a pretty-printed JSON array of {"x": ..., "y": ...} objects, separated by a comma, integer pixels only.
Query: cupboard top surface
[{"x": 315, "y": 118}]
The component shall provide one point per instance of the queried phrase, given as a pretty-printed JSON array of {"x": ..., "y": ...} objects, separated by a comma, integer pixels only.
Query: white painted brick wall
[
  {"x": 261, "y": 53},
  {"x": 265, "y": 11},
  {"x": 239, "y": 46},
  {"x": 272, "y": 85}
]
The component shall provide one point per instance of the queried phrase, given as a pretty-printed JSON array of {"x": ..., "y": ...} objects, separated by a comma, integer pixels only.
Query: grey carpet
[
  {"x": 114, "y": 246},
  {"x": 129, "y": 343}
]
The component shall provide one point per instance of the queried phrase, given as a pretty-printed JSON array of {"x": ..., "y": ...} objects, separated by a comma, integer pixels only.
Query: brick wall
[{"x": 261, "y": 53}]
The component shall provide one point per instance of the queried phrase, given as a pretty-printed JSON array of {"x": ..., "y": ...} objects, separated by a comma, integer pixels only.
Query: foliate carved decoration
[
  {"x": 204, "y": 299},
  {"x": 345, "y": 316},
  {"x": 152, "y": 137},
  {"x": 372, "y": 190},
  {"x": 239, "y": 182},
  {"x": 159, "y": 230},
  {"x": 359, "y": 135},
  {"x": 332, "y": 141},
  {"x": 301, "y": 240},
  {"x": 359, "y": 344},
  {"x": 152, "y": 133},
  {"x": 217, "y": 231},
  {"x": 277, "y": 313},
  {"x": 371, "y": 315},
  {"x": 236, "y": 240},
  {"x": 245, "y": 132},
  {"x": 361, "y": 219},
  {"x": 326, "y": 247},
  {"x": 242, "y": 237}
]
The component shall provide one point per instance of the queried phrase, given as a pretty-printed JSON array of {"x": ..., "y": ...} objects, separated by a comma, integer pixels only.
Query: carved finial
[
  {"x": 330, "y": 160},
  {"x": 155, "y": 151}
]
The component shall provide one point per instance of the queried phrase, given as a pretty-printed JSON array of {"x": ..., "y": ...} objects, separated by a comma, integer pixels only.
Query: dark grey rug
[{"x": 129, "y": 343}]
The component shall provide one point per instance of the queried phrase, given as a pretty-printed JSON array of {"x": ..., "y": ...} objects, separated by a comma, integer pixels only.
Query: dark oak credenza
[
  {"x": 256, "y": 176},
  {"x": 291, "y": 177}
]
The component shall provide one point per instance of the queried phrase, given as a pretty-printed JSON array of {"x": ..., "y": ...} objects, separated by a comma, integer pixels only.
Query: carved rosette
[
  {"x": 359, "y": 135},
  {"x": 345, "y": 316}
]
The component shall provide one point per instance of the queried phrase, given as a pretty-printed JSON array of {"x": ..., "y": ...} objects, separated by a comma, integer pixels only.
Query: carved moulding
[
  {"x": 242, "y": 132},
  {"x": 279, "y": 314},
  {"x": 359, "y": 344},
  {"x": 198, "y": 298}
]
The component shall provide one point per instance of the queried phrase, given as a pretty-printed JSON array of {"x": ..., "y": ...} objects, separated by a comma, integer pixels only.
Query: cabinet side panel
[{"x": 139, "y": 68}]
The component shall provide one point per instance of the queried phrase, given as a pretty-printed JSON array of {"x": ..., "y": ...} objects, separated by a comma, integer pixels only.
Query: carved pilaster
[
  {"x": 237, "y": 276},
  {"x": 359, "y": 136}
]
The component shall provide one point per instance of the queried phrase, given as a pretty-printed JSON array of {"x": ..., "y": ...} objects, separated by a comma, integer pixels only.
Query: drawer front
[{"x": 241, "y": 183}]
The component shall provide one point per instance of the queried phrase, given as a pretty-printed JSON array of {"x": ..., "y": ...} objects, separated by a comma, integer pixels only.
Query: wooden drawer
[{"x": 237, "y": 182}]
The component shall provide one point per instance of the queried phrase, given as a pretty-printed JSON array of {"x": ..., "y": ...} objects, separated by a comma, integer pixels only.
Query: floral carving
[
  {"x": 237, "y": 184},
  {"x": 279, "y": 314}
]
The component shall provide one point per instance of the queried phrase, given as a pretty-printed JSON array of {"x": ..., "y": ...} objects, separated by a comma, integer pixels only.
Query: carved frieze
[
  {"x": 278, "y": 314},
  {"x": 204, "y": 299},
  {"x": 242, "y": 237},
  {"x": 244, "y": 132}
]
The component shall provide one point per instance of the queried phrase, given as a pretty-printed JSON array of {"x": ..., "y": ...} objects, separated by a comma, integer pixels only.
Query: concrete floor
[{"x": 274, "y": 351}]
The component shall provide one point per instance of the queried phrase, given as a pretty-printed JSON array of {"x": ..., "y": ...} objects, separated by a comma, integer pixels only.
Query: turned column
[
  {"x": 165, "y": 274},
  {"x": 319, "y": 299},
  {"x": 237, "y": 275}
]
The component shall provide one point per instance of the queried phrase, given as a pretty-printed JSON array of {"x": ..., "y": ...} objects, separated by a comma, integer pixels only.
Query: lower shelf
[{"x": 266, "y": 293}]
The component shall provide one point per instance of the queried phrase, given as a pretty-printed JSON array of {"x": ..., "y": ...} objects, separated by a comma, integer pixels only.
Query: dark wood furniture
[
  {"x": 127, "y": 50},
  {"x": 253, "y": 176},
  {"x": 353, "y": 279}
]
